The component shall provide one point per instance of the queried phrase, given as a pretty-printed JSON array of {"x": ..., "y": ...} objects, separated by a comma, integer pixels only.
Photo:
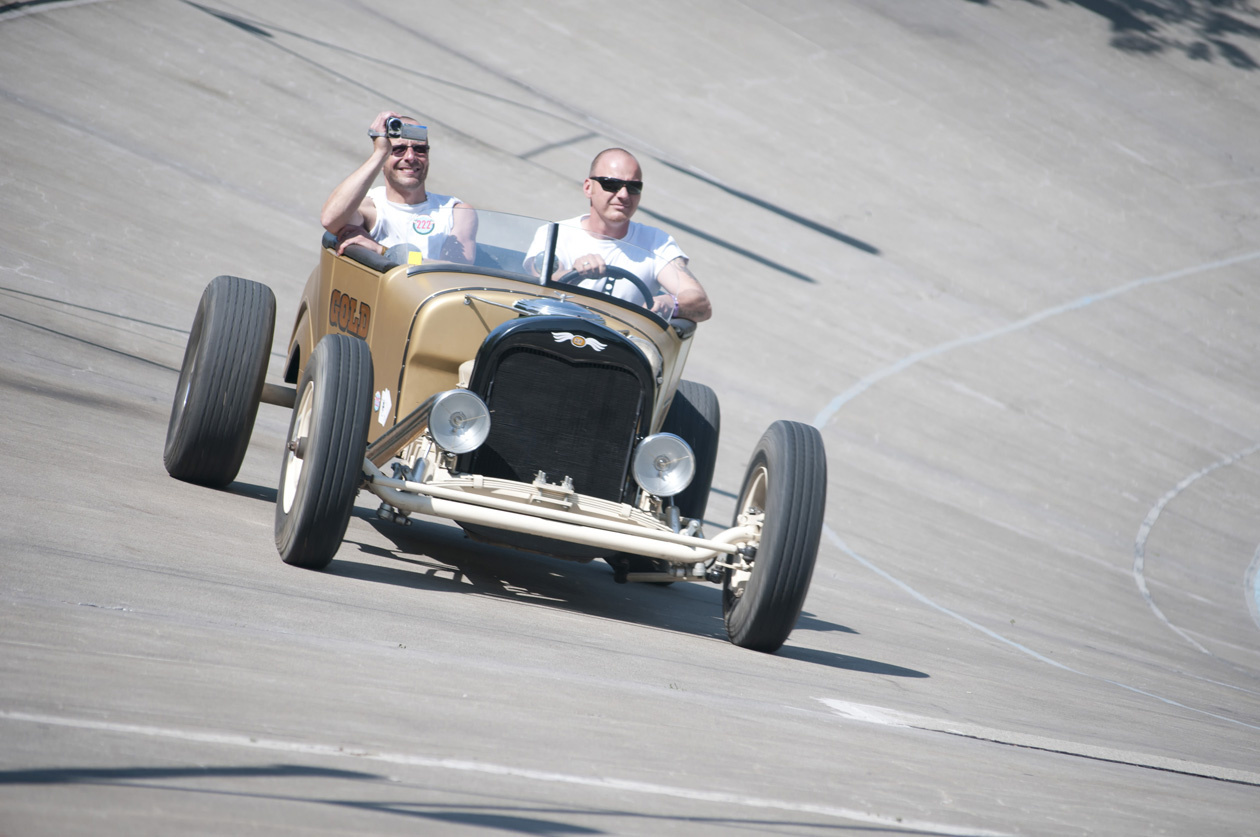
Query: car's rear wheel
[
  {"x": 696, "y": 417},
  {"x": 785, "y": 489},
  {"x": 323, "y": 460},
  {"x": 220, "y": 381}
]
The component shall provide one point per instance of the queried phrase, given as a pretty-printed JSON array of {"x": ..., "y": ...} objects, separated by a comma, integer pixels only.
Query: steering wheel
[{"x": 611, "y": 275}]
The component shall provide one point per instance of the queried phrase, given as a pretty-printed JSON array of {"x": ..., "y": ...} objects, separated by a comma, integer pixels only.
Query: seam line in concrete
[
  {"x": 600, "y": 782},
  {"x": 894, "y": 718}
]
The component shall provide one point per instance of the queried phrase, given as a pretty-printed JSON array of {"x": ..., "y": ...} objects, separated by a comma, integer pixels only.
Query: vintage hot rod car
[{"x": 533, "y": 412}]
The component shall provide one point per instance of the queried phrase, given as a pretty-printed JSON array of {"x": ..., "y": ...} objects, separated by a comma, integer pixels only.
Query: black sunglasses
[
  {"x": 614, "y": 185},
  {"x": 401, "y": 149}
]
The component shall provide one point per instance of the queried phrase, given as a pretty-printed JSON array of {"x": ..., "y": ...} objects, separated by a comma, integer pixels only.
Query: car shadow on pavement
[
  {"x": 428, "y": 555},
  {"x": 266, "y": 493},
  {"x": 439, "y": 557},
  {"x": 831, "y": 659},
  {"x": 810, "y": 622}
]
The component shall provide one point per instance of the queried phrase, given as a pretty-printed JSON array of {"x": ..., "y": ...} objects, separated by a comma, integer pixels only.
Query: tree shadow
[
  {"x": 516, "y": 818},
  {"x": 1202, "y": 30},
  {"x": 513, "y": 819},
  {"x": 88, "y": 775}
]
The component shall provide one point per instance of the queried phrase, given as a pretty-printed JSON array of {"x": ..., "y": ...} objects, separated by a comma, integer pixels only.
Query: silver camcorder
[{"x": 395, "y": 128}]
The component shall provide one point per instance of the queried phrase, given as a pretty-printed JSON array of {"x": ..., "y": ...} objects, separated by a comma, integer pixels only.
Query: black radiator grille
[{"x": 565, "y": 418}]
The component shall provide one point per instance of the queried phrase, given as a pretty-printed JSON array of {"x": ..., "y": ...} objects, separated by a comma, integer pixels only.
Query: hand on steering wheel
[
  {"x": 611, "y": 274},
  {"x": 590, "y": 266}
]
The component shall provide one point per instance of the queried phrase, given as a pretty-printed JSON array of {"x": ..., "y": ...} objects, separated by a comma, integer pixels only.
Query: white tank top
[{"x": 425, "y": 226}]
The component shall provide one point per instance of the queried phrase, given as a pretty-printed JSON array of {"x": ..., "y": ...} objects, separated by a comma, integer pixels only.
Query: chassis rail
[{"x": 521, "y": 516}]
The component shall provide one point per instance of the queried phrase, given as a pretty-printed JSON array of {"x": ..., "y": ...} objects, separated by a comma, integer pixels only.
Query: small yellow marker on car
[{"x": 415, "y": 258}]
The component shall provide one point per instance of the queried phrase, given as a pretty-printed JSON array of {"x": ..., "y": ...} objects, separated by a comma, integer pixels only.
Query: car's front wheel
[
  {"x": 323, "y": 460},
  {"x": 785, "y": 491}
]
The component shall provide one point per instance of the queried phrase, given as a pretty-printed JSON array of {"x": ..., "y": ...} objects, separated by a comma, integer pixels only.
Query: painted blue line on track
[
  {"x": 1144, "y": 531},
  {"x": 833, "y": 407},
  {"x": 1255, "y": 597},
  {"x": 828, "y": 413},
  {"x": 839, "y": 543},
  {"x": 1251, "y": 582}
]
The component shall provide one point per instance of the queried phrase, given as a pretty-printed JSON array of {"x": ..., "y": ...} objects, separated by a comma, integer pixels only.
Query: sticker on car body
[{"x": 381, "y": 404}]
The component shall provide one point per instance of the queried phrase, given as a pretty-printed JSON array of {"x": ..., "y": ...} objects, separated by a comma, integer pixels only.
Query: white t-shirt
[
  {"x": 643, "y": 251},
  {"x": 425, "y": 226}
]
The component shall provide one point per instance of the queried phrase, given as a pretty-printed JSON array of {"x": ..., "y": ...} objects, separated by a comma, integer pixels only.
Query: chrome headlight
[
  {"x": 664, "y": 464},
  {"x": 459, "y": 421}
]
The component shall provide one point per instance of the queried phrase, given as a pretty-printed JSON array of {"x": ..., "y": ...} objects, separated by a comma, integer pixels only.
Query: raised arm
[
  {"x": 681, "y": 284},
  {"x": 348, "y": 205}
]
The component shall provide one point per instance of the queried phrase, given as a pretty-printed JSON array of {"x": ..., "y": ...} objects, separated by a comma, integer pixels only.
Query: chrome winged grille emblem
[{"x": 578, "y": 340}]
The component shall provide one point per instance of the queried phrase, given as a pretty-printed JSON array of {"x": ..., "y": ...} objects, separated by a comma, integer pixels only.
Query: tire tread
[
  {"x": 310, "y": 534},
  {"x": 795, "y": 459},
  {"x": 207, "y": 439},
  {"x": 696, "y": 417}
]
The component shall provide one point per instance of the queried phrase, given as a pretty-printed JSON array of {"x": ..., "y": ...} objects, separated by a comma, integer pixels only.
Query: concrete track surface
[{"x": 1004, "y": 254}]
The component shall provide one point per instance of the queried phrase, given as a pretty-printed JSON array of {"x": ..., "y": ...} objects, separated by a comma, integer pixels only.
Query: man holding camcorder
[{"x": 400, "y": 215}]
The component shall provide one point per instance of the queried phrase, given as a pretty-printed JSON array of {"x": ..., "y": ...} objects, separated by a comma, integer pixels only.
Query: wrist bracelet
[{"x": 671, "y": 316}]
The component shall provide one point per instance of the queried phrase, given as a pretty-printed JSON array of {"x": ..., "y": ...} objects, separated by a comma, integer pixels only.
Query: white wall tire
[
  {"x": 786, "y": 489},
  {"x": 323, "y": 458}
]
